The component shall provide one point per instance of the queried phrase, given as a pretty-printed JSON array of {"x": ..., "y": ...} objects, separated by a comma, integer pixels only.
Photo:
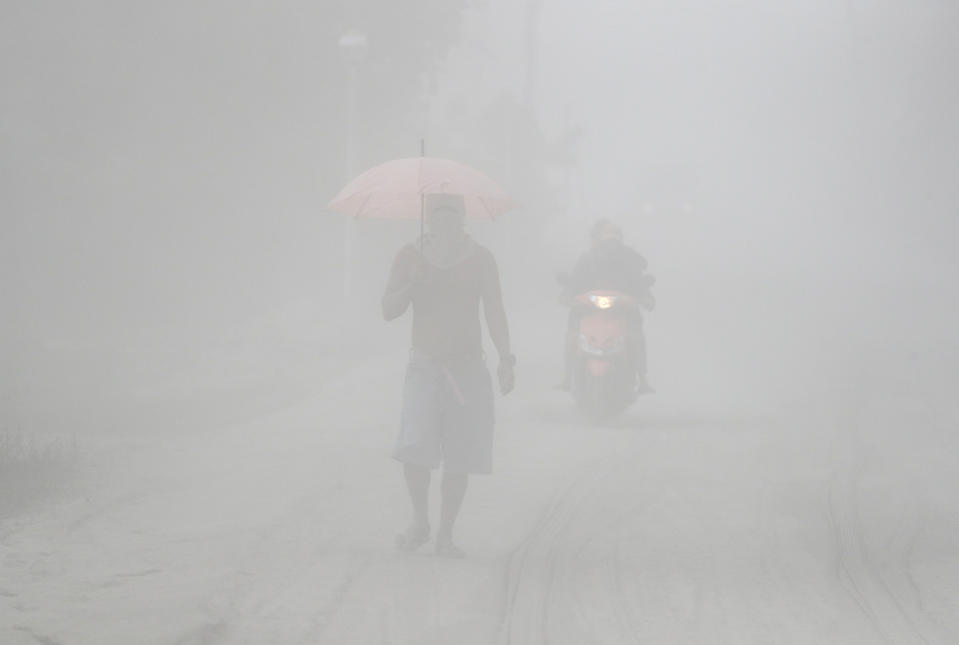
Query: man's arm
[
  {"x": 493, "y": 308},
  {"x": 496, "y": 323},
  {"x": 640, "y": 262},
  {"x": 399, "y": 287},
  {"x": 580, "y": 280},
  {"x": 643, "y": 281}
]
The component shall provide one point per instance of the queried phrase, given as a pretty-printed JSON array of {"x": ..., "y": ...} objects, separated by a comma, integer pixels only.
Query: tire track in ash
[
  {"x": 624, "y": 612},
  {"x": 864, "y": 582},
  {"x": 552, "y": 594}
]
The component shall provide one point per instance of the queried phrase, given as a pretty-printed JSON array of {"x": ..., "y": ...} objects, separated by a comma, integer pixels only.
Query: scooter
[{"x": 604, "y": 372}]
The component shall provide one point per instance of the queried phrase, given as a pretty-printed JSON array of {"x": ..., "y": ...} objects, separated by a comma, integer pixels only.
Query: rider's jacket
[{"x": 609, "y": 265}]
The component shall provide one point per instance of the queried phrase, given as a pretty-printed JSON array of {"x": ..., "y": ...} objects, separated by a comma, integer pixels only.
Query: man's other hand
[
  {"x": 417, "y": 275},
  {"x": 505, "y": 375},
  {"x": 417, "y": 278}
]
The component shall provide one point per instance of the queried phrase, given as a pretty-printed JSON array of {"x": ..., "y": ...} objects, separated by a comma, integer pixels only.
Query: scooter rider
[{"x": 610, "y": 264}]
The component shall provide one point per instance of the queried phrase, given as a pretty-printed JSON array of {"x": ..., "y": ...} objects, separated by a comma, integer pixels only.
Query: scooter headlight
[{"x": 603, "y": 302}]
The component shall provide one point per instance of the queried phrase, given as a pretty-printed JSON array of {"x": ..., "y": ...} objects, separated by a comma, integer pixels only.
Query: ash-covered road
[{"x": 827, "y": 518}]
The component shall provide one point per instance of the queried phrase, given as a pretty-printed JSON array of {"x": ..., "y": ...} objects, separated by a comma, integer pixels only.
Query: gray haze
[{"x": 174, "y": 308}]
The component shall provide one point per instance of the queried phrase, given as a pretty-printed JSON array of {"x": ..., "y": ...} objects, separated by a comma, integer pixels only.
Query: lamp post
[{"x": 353, "y": 46}]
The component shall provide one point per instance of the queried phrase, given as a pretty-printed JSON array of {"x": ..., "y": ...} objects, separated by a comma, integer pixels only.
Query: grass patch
[{"x": 33, "y": 469}]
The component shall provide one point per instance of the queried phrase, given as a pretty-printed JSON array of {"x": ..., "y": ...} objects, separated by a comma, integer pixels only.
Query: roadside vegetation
[{"x": 34, "y": 469}]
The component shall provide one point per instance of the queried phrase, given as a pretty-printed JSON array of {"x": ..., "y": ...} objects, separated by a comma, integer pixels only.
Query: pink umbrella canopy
[{"x": 395, "y": 189}]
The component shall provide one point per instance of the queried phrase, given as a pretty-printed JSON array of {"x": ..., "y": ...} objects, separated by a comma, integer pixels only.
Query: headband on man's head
[
  {"x": 604, "y": 229},
  {"x": 446, "y": 211}
]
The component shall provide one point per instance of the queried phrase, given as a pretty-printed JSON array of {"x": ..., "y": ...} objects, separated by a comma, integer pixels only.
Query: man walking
[{"x": 447, "y": 415}]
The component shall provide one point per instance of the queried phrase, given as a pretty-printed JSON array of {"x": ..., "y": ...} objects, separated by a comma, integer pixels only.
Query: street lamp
[{"x": 353, "y": 46}]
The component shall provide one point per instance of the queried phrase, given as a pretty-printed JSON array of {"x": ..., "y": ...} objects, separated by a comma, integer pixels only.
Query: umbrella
[{"x": 396, "y": 190}]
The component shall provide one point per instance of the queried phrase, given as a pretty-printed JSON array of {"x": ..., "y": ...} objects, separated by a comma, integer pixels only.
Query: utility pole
[{"x": 353, "y": 44}]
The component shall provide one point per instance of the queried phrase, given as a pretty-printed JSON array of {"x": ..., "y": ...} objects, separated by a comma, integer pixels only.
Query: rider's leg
[
  {"x": 569, "y": 350},
  {"x": 637, "y": 344},
  {"x": 643, "y": 383}
]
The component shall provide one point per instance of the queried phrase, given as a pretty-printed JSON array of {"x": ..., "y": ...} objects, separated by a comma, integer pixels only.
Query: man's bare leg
[
  {"x": 453, "y": 490},
  {"x": 418, "y": 485}
]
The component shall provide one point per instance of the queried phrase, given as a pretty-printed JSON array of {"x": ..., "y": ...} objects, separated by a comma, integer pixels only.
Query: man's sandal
[
  {"x": 412, "y": 538},
  {"x": 446, "y": 549}
]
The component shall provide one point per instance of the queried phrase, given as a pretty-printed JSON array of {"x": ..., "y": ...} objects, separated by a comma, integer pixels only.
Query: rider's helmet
[{"x": 604, "y": 230}]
